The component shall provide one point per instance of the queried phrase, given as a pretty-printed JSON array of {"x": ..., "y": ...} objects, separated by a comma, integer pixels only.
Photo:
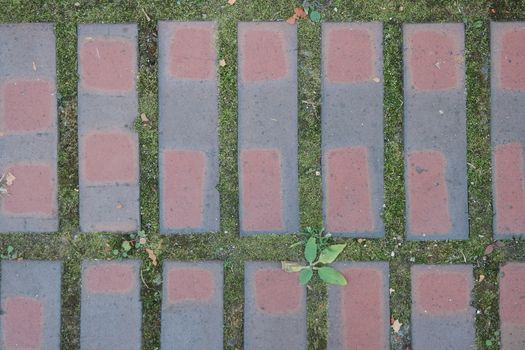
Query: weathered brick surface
[
  {"x": 358, "y": 313},
  {"x": 108, "y": 144},
  {"x": 435, "y": 131},
  {"x": 267, "y": 94},
  {"x": 30, "y": 302},
  {"x": 28, "y": 127},
  {"x": 352, "y": 128},
  {"x": 512, "y": 306},
  {"x": 442, "y": 315},
  {"x": 508, "y": 127},
  {"x": 274, "y": 309},
  {"x": 192, "y": 305},
  {"x": 110, "y": 307},
  {"x": 188, "y": 135}
]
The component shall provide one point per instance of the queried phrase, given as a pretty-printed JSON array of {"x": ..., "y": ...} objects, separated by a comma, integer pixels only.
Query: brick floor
[
  {"x": 267, "y": 94},
  {"x": 512, "y": 306},
  {"x": 30, "y": 302},
  {"x": 435, "y": 131},
  {"x": 352, "y": 128},
  {"x": 508, "y": 128},
  {"x": 108, "y": 144},
  {"x": 188, "y": 156},
  {"x": 442, "y": 315},
  {"x": 111, "y": 311},
  {"x": 192, "y": 305},
  {"x": 358, "y": 313},
  {"x": 28, "y": 127},
  {"x": 274, "y": 308}
]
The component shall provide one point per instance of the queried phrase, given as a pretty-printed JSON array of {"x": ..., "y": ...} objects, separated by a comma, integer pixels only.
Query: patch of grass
[{"x": 71, "y": 247}]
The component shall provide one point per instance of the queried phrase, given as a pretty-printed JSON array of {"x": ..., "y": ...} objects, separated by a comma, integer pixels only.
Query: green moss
[{"x": 226, "y": 245}]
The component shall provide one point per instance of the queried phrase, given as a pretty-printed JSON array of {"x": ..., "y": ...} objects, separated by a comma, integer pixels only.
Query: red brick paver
[
  {"x": 108, "y": 144},
  {"x": 28, "y": 127},
  {"x": 512, "y": 306},
  {"x": 507, "y": 129},
  {"x": 267, "y": 92},
  {"x": 435, "y": 131},
  {"x": 352, "y": 128},
  {"x": 442, "y": 317},
  {"x": 188, "y": 136}
]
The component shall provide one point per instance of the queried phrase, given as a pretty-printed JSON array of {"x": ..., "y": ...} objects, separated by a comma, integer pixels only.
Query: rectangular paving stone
[
  {"x": 507, "y": 43},
  {"x": 274, "y": 308},
  {"x": 267, "y": 139},
  {"x": 512, "y": 306},
  {"x": 188, "y": 121},
  {"x": 352, "y": 128},
  {"x": 28, "y": 127},
  {"x": 442, "y": 315},
  {"x": 192, "y": 305},
  {"x": 110, "y": 307},
  {"x": 108, "y": 143},
  {"x": 358, "y": 313},
  {"x": 435, "y": 131},
  {"x": 30, "y": 303}
]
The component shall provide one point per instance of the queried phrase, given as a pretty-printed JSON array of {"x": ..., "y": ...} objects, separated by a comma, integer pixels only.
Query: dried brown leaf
[
  {"x": 152, "y": 256},
  {"x": 300, "y": 12},
  {"x": 292, "y": 19},
  {"x": 222, "y": 63},
  {"x": 489, "y": 249},
  {"x": 396, "y": 326},
  {"x": 9, "y": 179},
  {"x": 144, "y": 118},
  {"x": 231, "y": 2}
]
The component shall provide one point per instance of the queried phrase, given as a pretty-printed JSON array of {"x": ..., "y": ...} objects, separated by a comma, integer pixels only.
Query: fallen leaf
[
  {"x": 361, "y": 240},
  {"x": 231, "y": 2},
  {"x": 222, "y": 63},
  {"x": 9, "y": 179},
  {"x": 376, "y": 79},
  {"x": 152, "y": 256},
  {"x": 144, "y": 118},
  {"x": 292, "y": 19},
  {"x": 300, "y": 12},
  {"x": 481, "y": 278},
  {"x": 120, "y": 206},
  {"x": 34, "y": 66},
  {"x": 396, "y": 326},
  {"x": 489, "y": 249}
]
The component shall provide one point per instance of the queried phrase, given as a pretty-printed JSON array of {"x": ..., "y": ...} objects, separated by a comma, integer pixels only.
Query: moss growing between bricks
[{"x": 226, "y": 245}]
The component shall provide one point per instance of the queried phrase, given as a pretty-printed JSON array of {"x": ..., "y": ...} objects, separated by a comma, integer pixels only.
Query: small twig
[{"x": 142, "y": 278}]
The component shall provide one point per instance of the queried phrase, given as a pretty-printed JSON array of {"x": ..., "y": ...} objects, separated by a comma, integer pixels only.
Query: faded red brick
[
  {"x": 190, "y": 285},
  {"x": 509, "y": 188},
  {"x": 110, "y": 157},
  {"x": 427, "y": 193},
  {"x": 192, "y": 53},
  {"x": 183, "y": 188},
  {"x": 348, "y": 194},
  {"x": 441, "y": 292},
  {"x": 264, "y": 55},
  {"x": 109, "y": 278},
  {"x": 33, "y": 192},
  {"x": 512, "y": 60},
  {"x": 363, "y": 309},
  {"x": 350, "y": 55},
  {"x": 512, "y": 294},
  {"x": 262, "y": 207},
  {"x": 434, "y": 60},
  {"x": 277, "y": 292},
  {"x": 107, "y": 64},
  {"x": 23, "y": 323},
  {"x": 27, "y": 106}
]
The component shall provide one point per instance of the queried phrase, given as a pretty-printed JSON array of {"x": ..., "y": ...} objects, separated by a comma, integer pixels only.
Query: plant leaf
[
  {"x": 329, "y": 254},
  {"x": 10, "y": 249},
  {"x": 305, "y": 276},
  {"x": 290, "y": 266},
  {"x": 310, "y": 251},
  {"x": 332, "y": 276},
  {"x": 315, "y": 16},
  {"x": 126, "y": 246}
]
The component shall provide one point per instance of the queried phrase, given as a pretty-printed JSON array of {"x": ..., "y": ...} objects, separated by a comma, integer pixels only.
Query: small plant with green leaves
[
  {"x": 10, "y": 254},
  {"x": 318, "y": 254},
  {"x": 136, "y": 240}
]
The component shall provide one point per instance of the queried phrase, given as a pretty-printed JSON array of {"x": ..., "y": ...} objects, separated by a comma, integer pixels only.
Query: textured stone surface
[
  {"x": 110, "y": 307},
  {"x": 274, "y": 309},
  {"x": 108, "y": 143},
  {"x": 28, "y": 127},
  {"x": 358, "y": 313},
  {"x": 352, "y": 128},
  {"x": 192, "y": 305},
  {"x": 442, "y": 315},
  {"x": 512, "y": 306},
  {"x": 435, "y": 131},
  {"x": 30, "y": 302},
  {"x": 508, "y": 127},
  {"x": 267, "y": 94},
  {"x": 188, "y": 135}
]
